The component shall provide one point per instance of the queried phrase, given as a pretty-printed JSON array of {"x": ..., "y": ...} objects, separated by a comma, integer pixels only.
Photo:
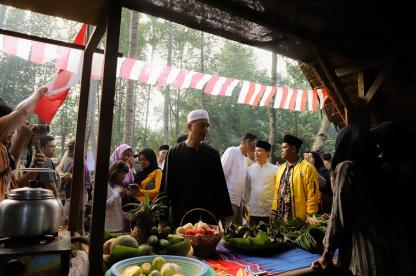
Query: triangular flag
[{"x": 58, "y": 89}]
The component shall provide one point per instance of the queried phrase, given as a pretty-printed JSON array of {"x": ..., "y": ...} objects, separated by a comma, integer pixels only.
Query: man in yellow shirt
[{"x": 296, "y": 191}]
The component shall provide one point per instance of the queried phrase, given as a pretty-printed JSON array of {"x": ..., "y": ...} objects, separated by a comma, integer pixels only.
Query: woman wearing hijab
[
  {"x": 358, "y": 226},
  {"x": 124, "y": 153},
  {"x": 150, "y": 177}
]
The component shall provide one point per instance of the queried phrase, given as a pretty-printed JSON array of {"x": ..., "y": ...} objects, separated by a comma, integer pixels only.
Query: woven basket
[{"x": 204, "y": 246}]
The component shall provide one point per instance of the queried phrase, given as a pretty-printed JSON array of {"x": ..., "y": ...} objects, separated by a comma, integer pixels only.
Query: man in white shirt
[
  {"x": 161, "y": 155},
  {"x": 260, "y": 184},
  {"x": 235, "y": 163}
]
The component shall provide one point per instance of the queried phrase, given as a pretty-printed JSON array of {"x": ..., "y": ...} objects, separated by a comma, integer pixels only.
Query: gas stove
[{"x": 45, "y": 255}]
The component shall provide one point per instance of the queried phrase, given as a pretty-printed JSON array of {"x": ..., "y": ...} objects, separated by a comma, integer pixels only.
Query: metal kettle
[{"x": 30, "y": 212}]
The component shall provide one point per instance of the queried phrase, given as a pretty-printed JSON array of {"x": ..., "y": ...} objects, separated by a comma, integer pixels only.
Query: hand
[
  {"x": 67, "y": 177},
  {"x": 245, "y": 212},
  {"x": 39, "y": 160},
  {"x": 25, "y": 130},
  {"x": 123, "y": 192},
  {"x": 273, "y": 218},
  {"x": 324, "y": 262},
  {"x": 41, "y": 91}
]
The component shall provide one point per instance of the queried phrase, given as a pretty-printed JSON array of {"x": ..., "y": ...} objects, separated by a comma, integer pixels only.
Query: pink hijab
[{"x": 116, "y": 156}]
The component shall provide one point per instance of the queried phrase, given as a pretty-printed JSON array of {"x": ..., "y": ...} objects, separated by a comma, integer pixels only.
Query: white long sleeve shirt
[
  {"x": 113, "y": 212},
  {"x": 235, "y": 165},
  {"x": 260, "y": 189}
]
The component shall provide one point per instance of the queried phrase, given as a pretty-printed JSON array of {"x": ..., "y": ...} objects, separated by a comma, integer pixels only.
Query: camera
[{"x": 40, "y": 129}]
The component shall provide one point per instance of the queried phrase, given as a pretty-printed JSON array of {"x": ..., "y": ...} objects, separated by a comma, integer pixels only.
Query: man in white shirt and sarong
[
  {"x": 235, "y": 163},
  {"x": 259, "y": 190}
]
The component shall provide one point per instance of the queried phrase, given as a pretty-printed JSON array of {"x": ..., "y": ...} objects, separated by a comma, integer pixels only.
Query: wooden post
[
  {"x": 105, "y": 126},
  {"x": 360, "y": 84},
  {"x": 78, "y": 173}
]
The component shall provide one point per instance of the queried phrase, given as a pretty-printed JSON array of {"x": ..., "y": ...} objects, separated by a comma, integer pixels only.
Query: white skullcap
[{"x": 197, "y": 115}]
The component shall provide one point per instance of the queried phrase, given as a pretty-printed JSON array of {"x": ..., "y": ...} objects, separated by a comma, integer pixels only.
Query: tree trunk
[
  {"x": 203, "y": 96},
  {"x": 129, "y": 99},
  {"x": 147, "y": 116},
  {"x": 2, "y": 15},
  {"x": 178, "y": 96},
  {"x": 272, "y": 111},
  {"x": 90, "y": 138},
  {"x": 318, "y": 144},
  {"x": 63, "y": 129},
  {"x": 166, "y": 109}
]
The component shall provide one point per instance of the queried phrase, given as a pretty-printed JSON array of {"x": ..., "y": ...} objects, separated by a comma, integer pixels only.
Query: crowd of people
[{"x": 363, "y": 187}]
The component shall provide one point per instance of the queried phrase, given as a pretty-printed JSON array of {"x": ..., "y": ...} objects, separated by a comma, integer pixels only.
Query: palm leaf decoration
[{"x": 146, "y": 214}]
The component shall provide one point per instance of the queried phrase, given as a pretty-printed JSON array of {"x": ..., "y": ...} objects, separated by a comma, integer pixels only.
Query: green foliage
[{"x": 229, "y": 120}]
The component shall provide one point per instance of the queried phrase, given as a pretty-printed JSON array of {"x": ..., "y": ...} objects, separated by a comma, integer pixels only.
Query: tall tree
[
  {"x": 2, "y": 15},
  {"x": 129, "y": 99},
  {"x": 318, "y": 144},
  {"x": 272, "y": 111},
  {"x": 166, "y": 110}
]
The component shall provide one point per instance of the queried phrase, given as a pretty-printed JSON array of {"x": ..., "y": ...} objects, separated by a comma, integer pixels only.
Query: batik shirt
[{"x": 284, "y": 211}]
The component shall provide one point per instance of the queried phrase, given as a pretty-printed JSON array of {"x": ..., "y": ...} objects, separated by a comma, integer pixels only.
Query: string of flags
[{"x": 251, "y": 93}]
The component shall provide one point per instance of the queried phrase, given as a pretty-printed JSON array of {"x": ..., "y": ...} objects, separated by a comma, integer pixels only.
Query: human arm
[
  {"x": 20, "y": 140},
  {"x": 227, "y": 161},
  {"x": 247, "y": 192},
  {"x": 64, "y": 163},
  {"x": 112, "y": 197},
  {"x": 38, "y": 162},
  {"x": 156, "y": 177},
  {"x": 275, "y": 205},
  {"x": 325, "y": 262},
  {"x": 322, "y": 182},
  {"x": 311, "y": 188},
  {"x": 18, "y": 117},
  {"x": 340, "y": 219}
]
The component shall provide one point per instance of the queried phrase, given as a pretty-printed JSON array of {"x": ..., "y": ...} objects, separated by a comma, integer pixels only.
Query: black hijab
[
  {"x": 151, "y": 157},
  {"x": 355, "y": 144}
]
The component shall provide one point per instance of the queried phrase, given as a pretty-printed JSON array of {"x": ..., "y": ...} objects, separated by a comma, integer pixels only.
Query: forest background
[{"x": 148, "y": 116}]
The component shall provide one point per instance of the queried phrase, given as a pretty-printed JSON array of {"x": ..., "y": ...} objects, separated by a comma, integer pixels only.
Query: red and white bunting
[
  {"x": 301, "y": 100},
  {"x": 269, "y": 92},
  {"x": 313, "y": 101},
  {"x": 251, "y": 93},
  {"x": 244, "y": 92},
  {"x": 220, "y": 86},
  {"x": 322, "y": 95},
  {"x": 167, "y": 76}
]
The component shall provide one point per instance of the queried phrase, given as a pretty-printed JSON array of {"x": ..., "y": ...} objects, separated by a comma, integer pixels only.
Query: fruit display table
[{"x": 230, "y": 262}]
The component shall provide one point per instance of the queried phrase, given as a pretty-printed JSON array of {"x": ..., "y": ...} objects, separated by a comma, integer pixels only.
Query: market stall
[{"x": 351, "y": 65}]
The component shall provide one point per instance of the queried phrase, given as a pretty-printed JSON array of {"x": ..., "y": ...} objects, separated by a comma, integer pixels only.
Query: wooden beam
[
  {"x": 332, "y": 77},
  {"x": 76, "y": 207},
  {"x": 360, "y": 85},
  {"x": 381, "y": 77},
  {"x": 105, "y": 127},
  {"x": 49, "y": 41},
  {"x": 326, "y": 83}
]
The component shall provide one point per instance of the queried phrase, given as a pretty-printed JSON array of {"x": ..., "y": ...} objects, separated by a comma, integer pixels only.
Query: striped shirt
[
  {"x": 6, "y": 167},
  {"x": 365, "y": 239}
]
